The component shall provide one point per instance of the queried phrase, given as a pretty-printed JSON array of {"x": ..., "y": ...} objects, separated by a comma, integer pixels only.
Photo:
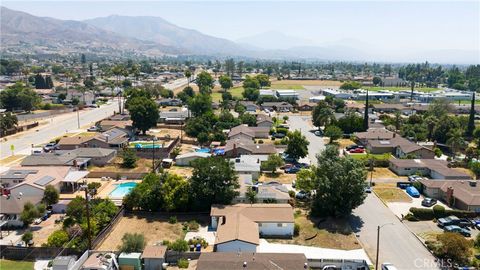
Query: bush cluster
[{"x": 438, "y": 212}]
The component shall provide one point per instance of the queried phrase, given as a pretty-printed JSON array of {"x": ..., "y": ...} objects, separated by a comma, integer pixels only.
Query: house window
[
  {"x": 259, "y": 224},
  {"x": 279, "y": 224}
]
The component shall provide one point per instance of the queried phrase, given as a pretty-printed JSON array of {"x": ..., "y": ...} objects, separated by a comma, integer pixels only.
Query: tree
[
  {"x": 322, "y": 114},
  {"x": 455, "y": 140},
  {"x": 132, "y": 242},
  {"x": 377, "y": 80},
  {"x": 251, "y": 82},
  {"x": 251, "y": 195},
  {"x": 205, "y": 82},
  {"x": 251, "y": 94},
  {"x": 350, "y": 123},
  {"x": 57, "y": 239},
  {"x": 50, "y": 195},
  {"x": 306, "y": 179},
  {"x": 213, "y": 181},
  {"x": 297, "y": 146},
  {"x": 144, "y": 113},
  {"x": 187, "y": 74},
  {"x": 333, "y": 132},
  {"x": 471, "y": 118},
  {"x": 129, "y": 158},
  {"x": 273, "y": 162},
  {"x": 339, "y": 183},
  {"x": 351, "y": 86},
  {"x": 27, "y": 237},
  {"x": 76, "y": 209},
  {"x": 263, "y": 79},
  {"x": 248, "y": 119},
  {"x": 455, "y": 247},
  {"x": 30, "y": 213},
  {"x": 7, "y": 121},
  {"x": 225, "y": 82},
  {"x": 18, "y": 96},
  {"x": 175, "y": 192},
  {"x": 40, "y": 82},
  {"x": 200, "y": 104},
  {"x": 179, "y": 245}
]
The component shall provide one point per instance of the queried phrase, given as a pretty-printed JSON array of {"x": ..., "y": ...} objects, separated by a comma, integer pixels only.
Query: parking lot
[{"x": 402, "y": 208}]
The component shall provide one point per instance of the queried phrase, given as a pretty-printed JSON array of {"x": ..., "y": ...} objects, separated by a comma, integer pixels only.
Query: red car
[{"x": 357, "y": 151}]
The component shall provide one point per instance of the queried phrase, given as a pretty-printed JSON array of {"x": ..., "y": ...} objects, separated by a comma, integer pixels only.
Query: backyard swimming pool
[
  {"x": 122, "y": 189},
  {"x": 203, "y": 150}
]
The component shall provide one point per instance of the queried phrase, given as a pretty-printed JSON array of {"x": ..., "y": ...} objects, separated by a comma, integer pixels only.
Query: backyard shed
[
  {"x": 130, "y": 261},
  {"x": 153, "y": 257}
]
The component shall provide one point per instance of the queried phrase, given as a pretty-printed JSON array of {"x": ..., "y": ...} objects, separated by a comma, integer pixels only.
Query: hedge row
[{"x": 439, "y": 212}]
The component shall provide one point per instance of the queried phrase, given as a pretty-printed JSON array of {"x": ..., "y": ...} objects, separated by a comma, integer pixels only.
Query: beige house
[
  {"x": 436, "y": 169},
  {"x": 461, "y": 194}
]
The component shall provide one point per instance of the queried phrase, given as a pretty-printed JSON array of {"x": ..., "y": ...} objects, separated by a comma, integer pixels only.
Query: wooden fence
[
  {"x": 101, "y": 236},
  {"x": 32, "y": 253}
]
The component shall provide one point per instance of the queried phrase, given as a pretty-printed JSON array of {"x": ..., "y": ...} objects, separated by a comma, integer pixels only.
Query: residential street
[
  {"x": 397, "y": 244},
  {"x": 58, "y": 126},
  {"x": 302, "y": 123}
]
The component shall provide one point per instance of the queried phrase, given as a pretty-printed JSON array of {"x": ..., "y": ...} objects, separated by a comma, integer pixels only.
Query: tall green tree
[
  {"x": 213, "y": 181},
  {"x": 339, "y": 183},
  {"x": 205, "y": 82},
  {"x": 200, "y": 104},
  {"x": 333, "y": 132},
  {"x": 50, "y": 195},
  {"x": 273, "y": 162},
  {"x": 322, "y": 114},
  {"x": 365, "y": 114},
  {"x": 471, "y": 118},
  {"x": 225, "y": 82},
  {"x": 7, "y": 121},
  {"x": 297, "y": 146},
  {"x": 144, "y": 113},
  {"x": 18, "y": 96},
  {"x": 455, "y": 140},
  {"x": 30, "y": 213}
]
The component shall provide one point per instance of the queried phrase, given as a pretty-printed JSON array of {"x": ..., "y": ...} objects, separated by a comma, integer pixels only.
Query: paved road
[
  {"x": 58, "y": 126},
  {"x": 316, "y": 145},
  {"x": 397, "y": 244}
]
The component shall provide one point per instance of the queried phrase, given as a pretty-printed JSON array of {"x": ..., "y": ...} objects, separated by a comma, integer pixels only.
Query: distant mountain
[
  {"x": 22, "y": 29},
  {"x": 274, "y": 40},
  {"x": 158, "y": 30}
]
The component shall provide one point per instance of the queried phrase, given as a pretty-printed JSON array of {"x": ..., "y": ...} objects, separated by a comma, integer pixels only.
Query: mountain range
[{"x": 153, "y": 36}]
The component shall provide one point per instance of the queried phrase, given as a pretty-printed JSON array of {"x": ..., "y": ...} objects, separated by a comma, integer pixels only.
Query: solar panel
[{"x": 44, "y": 180}]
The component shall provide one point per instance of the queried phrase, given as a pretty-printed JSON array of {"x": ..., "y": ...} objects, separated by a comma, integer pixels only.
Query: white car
[
  {"x": 92, "y": 128},
  {"x": 37, "y": 221},
  {"x": 388, "y": 266}
]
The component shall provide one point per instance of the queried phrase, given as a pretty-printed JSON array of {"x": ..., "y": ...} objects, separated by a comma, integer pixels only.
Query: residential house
[
  {"x": 237, "y": 147},
  {"x": 114, "y": 138},
  {"x": 272, "y": 192},
  {"x": 391, "y": 107},
  {"x": 264, "y": 120},
  {"x": 306, "y": 106},
  {"x": 249, "y": 164},
  {"x": 80, "y": 157},
  {"x": 373, "y": 134},
  {"x": 100, "y": 261},
  {"x": 461, "y": 194},
  {"x": 277, "y": 106},
  {"x": 174, "y": 116},
  {"x": 251, "y": 261},
  {"x": 248, "y": 133},
  {"x": 63, "y": 262},
  {"x": 125, "y": 125},
  {"x": 187, "y": 158},
  {"x": 239, "y": 227},
  {"x": 169, "y": 102},
  {"x": 436, "y": 169},
  {"x": 250, "y": 106}
]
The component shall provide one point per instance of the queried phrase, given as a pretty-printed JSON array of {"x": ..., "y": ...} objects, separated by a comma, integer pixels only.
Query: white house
[
  {"x": 288, "y": 93},
  {"x": 240, "y": 226},
  {"x": 187, "y": 158}
]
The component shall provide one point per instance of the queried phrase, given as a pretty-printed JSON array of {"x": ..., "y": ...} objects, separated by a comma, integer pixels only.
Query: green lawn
[
  {"x": 288, "y": 86},
  {"x": 386, "y": 156},
  {"x": 235, "y": 91},
  {"x": 17, "y": 265},
  {"x": 393, "y": 88}
]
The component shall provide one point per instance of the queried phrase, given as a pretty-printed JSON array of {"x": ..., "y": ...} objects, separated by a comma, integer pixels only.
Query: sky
[{"x": 405, "y": 26}]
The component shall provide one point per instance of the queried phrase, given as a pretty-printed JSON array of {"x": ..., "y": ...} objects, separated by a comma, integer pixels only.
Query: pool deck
[{"x": 103, "y": 192}]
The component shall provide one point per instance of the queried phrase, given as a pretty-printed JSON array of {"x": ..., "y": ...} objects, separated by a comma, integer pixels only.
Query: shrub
[
  {"x": 132, "y": 242},
  {"x": 438, "y": 152},
  {"x": 27, "y": 237},
  {"x": 410, "y": 217},
  {"x": 198, "y": 240},
  {"x": 418, "y": 186},
  {"x": 172, "y": 220},
  {"x": 422, "y": 213},
  {"x": 291, "y": 193},
  {"x": 438, "y": 211},
  {"x": 296, "y": 229},
  {"x": 192, "y": 226},
  {"x": 285, "y": 118},
  {"x": 428, "y": 214},
  {"x": 182, "y": 263},
  {"x": 260, "y": 141},
  {"x": 179, "y": 245}
]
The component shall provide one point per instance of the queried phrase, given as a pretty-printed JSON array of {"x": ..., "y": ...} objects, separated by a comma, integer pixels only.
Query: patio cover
[{"x": 74, "y": 176}]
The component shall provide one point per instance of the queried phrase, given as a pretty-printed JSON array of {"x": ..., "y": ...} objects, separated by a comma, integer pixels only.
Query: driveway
[
  {"x": 397, "y": 244},
  {"x": 303, "y": 123},
  {"x": 402, "y": 208}
]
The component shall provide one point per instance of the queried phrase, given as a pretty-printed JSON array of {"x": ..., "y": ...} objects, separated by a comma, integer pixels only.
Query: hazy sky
[{"x": 417, "y": 25}]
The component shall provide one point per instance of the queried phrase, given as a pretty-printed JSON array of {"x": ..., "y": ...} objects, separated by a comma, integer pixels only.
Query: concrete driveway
[
  {"x": 397, "y": 244},
  {"x": 303, "y": 123},
  {"x": 402, "y": 208}
]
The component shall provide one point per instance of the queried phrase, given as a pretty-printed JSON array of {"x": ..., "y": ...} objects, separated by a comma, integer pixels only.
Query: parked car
[
  {"x": 293, "y": 169},
  {"x": 92, "y": 128},
  {"x": 302, "y": 195},
  {"x": 278, "y": 135},
  {"x": 37, "y": 221},
  {"x": 318, "y": 133},
  {"x": 368, "y": 190},
  {"x": 302, "y": 165},
  {"x": 466, "y": 223},
  {"x": 356, "y": 151},
  {"x": 414, "y": 178},
  {"x": 457, "y": 229},
  {"x": 388, "y": 266},
  {"x": 354, "y": 146},
  {"x": 50, "y": 146},
  {"x": 412, "y": 191},
  {"x": 447, "y": 221},
  {"x": 428, "y": 202}
]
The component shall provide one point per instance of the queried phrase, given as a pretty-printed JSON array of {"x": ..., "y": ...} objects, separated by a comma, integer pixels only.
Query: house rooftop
[
  {"x": 253, "y": 261},
  {"x": 439, "y": 166},
  {"x": 468, "y": 191},
  {"x": 153, "y": 252}
]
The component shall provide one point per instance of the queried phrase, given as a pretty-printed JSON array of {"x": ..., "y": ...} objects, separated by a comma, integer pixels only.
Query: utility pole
[
  {"x": 88, "y": 217},
  {"x": 378, "y": 242},
  {"x": 78, "y": 116},
  {"x": 153, "y": 155}
]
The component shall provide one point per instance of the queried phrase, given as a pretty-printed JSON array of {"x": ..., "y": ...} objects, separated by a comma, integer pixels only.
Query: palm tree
[
  {"x": 455, "y": 140},
  {"x": 398, "y": 120},
  {"x": 431, "y": 122}
]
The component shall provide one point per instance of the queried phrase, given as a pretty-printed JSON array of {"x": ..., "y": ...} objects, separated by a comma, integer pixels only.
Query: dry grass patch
[
  {"x": 143, "y": 166},
  {"x": 11, "y": 159},
  {"x": 429, "y": 236},
  {"x": 342, "y": 143},
  {"x": 326, "y": 233},
  {"x": 280, "y": 177},
  {"x": 467, "y": 171},
  {"x": 385, "y": 173},
  {"x": 183, "y": 171},
  {"x": 388, "y": 192}
]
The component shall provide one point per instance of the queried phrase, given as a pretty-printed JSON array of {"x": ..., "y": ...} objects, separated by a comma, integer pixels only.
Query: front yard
[
  {"x": 17, "y": 265},
  {"x": 327, "y": 233},
  {"x": 280, "y": 177},
  {"x": 389, "y": 192}
]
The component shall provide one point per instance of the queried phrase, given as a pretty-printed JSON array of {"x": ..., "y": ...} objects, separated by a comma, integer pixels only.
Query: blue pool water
[
  {"x": 122, "y": 189},
  {"x": 203, "y": 150}
]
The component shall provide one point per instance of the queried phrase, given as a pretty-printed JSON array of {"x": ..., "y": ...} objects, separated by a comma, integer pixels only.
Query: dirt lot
[
  {"x": 183, "y": 171},
  {"x": 329, "y": 234},
  {"x": 42, "y": 231},
  {"x": 280, "y": 177},
  {"x": 143, "y": 165},
  {"x": 155, "y": 228},
  {"x": 342, "y": 143},
  {"x": 307, "y": 82},
  {"x": 389, "y": 192}
]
